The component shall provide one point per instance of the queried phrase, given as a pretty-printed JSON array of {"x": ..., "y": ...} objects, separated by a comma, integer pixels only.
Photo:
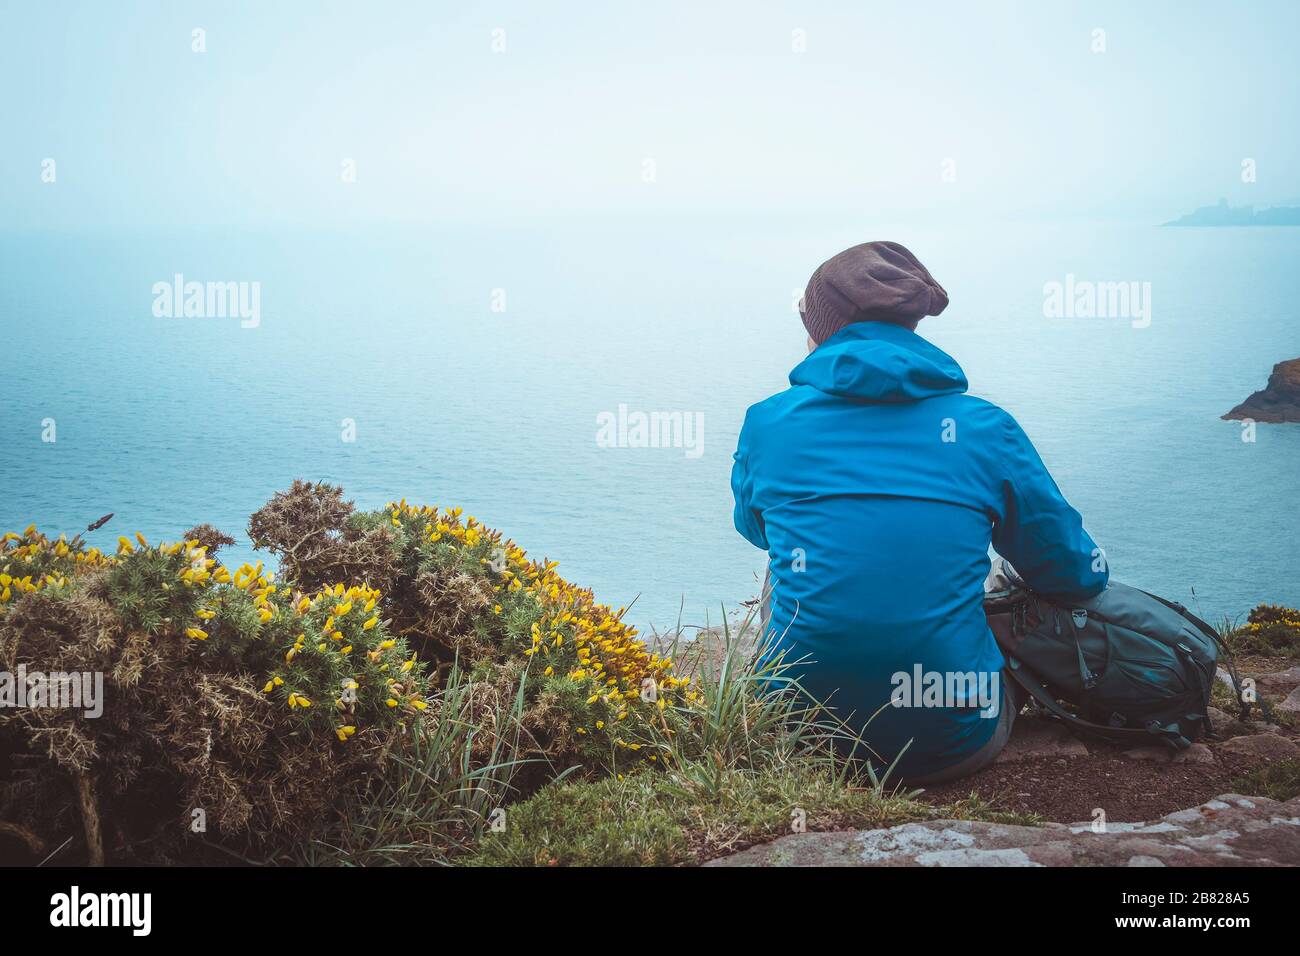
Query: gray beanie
[{"x": 880, "y": 281}]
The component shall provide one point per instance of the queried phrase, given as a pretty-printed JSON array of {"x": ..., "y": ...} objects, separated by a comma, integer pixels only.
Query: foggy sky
[{"x": 441, "y": 128}]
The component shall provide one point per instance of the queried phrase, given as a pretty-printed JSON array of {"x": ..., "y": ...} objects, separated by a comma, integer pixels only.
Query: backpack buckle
[{"x": 1080, "y": 618}]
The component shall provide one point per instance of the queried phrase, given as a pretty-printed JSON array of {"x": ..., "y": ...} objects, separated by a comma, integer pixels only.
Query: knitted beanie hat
[{"x": 880, "y": 281}]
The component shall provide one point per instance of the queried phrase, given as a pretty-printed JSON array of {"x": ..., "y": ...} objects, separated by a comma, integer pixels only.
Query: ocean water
[{"x": 168, "y": 422}]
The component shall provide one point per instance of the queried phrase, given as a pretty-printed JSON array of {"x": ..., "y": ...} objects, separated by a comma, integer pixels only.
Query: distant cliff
[
  {"x": 1225, "y": 215},
  {"x": 1279, "y": 401}
]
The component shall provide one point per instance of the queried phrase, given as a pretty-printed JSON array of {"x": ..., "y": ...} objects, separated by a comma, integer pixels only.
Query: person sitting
[{"x": 876, "y": 485}]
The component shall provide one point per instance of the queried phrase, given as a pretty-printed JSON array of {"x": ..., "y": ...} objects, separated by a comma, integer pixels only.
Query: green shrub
[
  {"x": 211, "y": 734},
  {"x": 464, "y": 595},
  {"x": 1270, "y": 631}
]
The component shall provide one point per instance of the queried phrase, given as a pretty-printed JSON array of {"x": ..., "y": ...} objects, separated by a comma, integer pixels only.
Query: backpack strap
[
  {"x": 1169, "y": 733},
  {"x": 1086, "y": 677}
]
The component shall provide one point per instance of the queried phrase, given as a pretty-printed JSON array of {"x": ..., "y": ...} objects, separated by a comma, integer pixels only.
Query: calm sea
[{"x": 474, "y": 365}]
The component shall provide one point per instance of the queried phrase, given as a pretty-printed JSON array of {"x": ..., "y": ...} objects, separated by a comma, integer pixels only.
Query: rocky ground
[
  {"x": 1143, "y": 795},
  {"x": 1231, "y": 830}
]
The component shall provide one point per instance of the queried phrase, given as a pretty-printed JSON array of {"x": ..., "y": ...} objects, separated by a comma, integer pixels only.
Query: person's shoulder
[
  {"x": 983, "y": 412},
  {"x": 774, "y": 407},
  {"x": 995, "y": 428}
]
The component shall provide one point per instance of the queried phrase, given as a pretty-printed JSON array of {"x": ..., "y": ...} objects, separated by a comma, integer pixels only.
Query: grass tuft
[{"x": 1279, "y": 780}]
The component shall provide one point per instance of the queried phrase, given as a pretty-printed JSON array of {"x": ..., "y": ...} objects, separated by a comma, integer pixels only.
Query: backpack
[{"x": 1137, "y": 668}]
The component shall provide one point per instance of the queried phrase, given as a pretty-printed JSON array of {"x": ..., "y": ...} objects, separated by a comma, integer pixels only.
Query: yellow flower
[
  {"x": 370, "y": 623},
  {"x": 345, "y": 732},
  {"x": 197, "y": 633}
]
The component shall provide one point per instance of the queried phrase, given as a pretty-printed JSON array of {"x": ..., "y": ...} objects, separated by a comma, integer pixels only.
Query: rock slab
[
  {"x": 1282, "y": 681},
  {"x": 1033, "y": 737},
  {"x": 1230, "y": 830}
]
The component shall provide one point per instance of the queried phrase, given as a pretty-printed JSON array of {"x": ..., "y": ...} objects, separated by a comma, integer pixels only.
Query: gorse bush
[
  {"x": 30, "y": 561},
  {"x": 220, "y": 692},
  {"x": 465, "y": 595},
  {"x": 1271, "y": 630},
  {"x": 246, "y": 711}
]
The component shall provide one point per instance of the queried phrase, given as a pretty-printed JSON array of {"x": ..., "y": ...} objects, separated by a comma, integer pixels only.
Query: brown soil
[{"x": 1068, "y": 789}]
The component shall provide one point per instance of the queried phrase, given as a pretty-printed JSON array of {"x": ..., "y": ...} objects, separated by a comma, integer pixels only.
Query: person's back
[{"x": 877, "y": 485}]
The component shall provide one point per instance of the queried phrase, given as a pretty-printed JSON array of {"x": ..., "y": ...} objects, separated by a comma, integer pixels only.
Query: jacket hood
[{"x": 879, "y": 362}]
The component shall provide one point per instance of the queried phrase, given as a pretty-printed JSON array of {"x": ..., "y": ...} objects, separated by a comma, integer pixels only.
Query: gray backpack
[{"x": 1136, "y": 668}]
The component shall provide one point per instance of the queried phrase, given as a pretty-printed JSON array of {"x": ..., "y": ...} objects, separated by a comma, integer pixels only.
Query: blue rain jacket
[{"x": 876, "y": 485}]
